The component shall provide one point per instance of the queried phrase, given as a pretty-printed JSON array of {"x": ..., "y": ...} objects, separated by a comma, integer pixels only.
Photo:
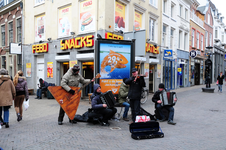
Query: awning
[
  {"x": 62, "y": 58},
  {"x": 87, "y": 56},
  {"x": 138, "y": 59},
  {"x": 153, "y": 61}
]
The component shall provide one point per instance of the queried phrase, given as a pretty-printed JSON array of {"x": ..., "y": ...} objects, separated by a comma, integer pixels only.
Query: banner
[
  {"x": 120, "y": 16},
  {"x": 115, "y": 61},
  {"x": 28, "y": 69},
  {"x": 40, "y": 28},
  {"x": 72, "y": 63},
  {"x": 86, "y": 16},
  {"x": 158, "y": 71},
  {"x": 64, "y": 24},
  {"x": 49, "y": 69},
  {"x": 137, "y": 21}
]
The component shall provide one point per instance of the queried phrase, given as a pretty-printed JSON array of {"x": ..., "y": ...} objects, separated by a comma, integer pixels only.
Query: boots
[{"x": 6, "y": 125}]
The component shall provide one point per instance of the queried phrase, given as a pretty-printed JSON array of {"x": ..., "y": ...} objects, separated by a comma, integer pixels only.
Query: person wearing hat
[
  {"x": 122, "y": 94},
  {"x": 136, "y": 84},
  {"x": 7, "y": 94},
  {"x": 42, "y": 87},
  {"x": 71, "y": 78},
  {"x": 158, "y": 106}
]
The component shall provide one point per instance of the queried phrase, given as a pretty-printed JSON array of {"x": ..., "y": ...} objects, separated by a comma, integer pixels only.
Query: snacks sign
[
  {"x": 64, "y": 24},
  {"x": 86, "y": 16},
  {"x": 137, "y": 21},
  {"x": 119, "y": 16},
  {"x": 78, "y": 42},
  {"x": 40, "y": 48}
]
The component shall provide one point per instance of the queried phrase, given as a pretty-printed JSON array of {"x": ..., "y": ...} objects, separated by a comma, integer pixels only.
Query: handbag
[
  {"x": 142, "y": 118},
  {"x": 26, "y": 104}
]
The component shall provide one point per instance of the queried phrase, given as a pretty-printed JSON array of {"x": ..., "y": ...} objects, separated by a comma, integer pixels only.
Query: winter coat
[
  {"x": 220, "y": 79},
  {"x": 156, "y": 97},
  {"x": 44, "y": 85},
  {"x": 135, "y": 88},
  {"x": 69, "y": 79},
  {"x": 21, "y": 87},
  {"x": 7, "y": 91},
  {"x": 123, "y": 93},
  {"x": 96, "y": 102}
]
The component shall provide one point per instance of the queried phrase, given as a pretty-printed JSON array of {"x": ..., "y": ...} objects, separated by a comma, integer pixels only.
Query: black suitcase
[{"x": 145, "y": 130}]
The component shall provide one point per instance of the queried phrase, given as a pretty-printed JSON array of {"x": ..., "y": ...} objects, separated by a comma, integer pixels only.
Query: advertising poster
[
  {"x": 72, "y": 63},
  {"x": 120, "y": 16},
  {"x": 49, "y": 69},
  {"x": 158, "y": 71},
  {"x": 86, "y": 16},
  {"x": 146, "y": 69},
  {"x": 28, "y": 69},
  {"x": 64, "y": 24},
  {"x": 115, "y": 61},
  {"x": 40, "y": 28},
  {"x": 137, "y": 21}
]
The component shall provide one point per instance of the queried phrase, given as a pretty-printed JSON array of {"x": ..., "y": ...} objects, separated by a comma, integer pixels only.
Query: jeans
[
  {"x": 135, "y": 107},
  {"x": 126, "y": 105},
  {"x": 39, "y": 92},
  {"x": 220, "y": 87},
  {"x": 88, "y": 89},
  {"x": 6, "y": 113},
  {"x": 169, "y": 108}
]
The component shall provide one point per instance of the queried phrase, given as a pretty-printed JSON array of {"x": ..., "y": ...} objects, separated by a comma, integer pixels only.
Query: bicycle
[{"x": 144, "y": 95}]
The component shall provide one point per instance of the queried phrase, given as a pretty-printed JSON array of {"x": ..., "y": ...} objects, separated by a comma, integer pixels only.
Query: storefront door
[
  {"x": 40, "y": 68},
  {"x": 151, "y": 78},
  {"x": 197, "y": 74},
  {"x": 169, "y": 74},
  {"x": 87, "y": 72},
  {"x": 64, "y": 66}
]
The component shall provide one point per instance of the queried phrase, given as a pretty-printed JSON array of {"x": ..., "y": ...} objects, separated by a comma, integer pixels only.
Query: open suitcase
[{"x": 145, "y": 130}]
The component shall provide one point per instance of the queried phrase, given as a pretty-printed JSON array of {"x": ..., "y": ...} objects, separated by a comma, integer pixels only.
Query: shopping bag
[
  {"x": 142, "y": 118},
  {"x": 217, "y": 82},
  {"x": 26, "y": 104}
]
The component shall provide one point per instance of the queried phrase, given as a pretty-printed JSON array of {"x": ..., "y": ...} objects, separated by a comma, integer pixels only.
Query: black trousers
[
  {"x": 61, "y": 115},
  {"x": 135, "y": 107},
  {"x": 107, "y": 113}
]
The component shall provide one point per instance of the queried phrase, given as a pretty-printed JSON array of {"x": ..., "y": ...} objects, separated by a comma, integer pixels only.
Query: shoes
[
  {"x": 60, "y": 122},
  {"x": 6, "y": 125},
  {"x": 171, "y": 122},
  {"x": 162, "y": 120},
  {"x": 72, "y": 121},
  {"x": 18, "y": 117},
  {"x": 40, "y": 97},
  {"x": 125, "y": 119},
  {"x": 105, "y": 124},
  {"x": 36, "y": 97}
]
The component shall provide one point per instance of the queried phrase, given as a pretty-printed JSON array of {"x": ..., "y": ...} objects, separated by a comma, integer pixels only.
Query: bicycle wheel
[{"x": 144, "y": 97}]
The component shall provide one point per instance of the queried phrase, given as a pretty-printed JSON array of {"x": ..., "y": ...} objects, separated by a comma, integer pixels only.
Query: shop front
[
  {"x": 197, "y": 71},
  {"x": 182, "y": 68},
  {"x": 169, "y": 73},
  {"x": 218, "y": 61}
]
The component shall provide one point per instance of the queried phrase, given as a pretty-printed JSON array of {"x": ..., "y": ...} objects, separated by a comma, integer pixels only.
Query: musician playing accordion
[
  {"x": 156, "y": 99},
  {"x": 101, "y": 108}
]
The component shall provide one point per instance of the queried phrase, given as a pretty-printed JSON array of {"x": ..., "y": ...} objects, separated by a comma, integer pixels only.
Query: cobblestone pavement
[{"x": 200, "y": 124}]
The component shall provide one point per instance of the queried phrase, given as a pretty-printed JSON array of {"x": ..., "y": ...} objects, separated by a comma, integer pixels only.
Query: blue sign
[
  {"x": 225, "y": 56},
  {"x": 193, "y": 54},
  {"x": 168, "y": 53}
]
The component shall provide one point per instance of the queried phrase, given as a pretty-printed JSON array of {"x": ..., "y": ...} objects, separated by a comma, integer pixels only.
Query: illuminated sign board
[
  {"x": 78, "y": 42},
  {"x": 109, "y": 35},
  {"x": 152, "y": 49},
  {"x": 40, "y": 48}
]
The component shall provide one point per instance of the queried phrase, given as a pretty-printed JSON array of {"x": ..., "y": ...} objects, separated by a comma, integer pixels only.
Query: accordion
[
  {"x": 108, "y": 99},
  {"x": 167, "y": 98}
]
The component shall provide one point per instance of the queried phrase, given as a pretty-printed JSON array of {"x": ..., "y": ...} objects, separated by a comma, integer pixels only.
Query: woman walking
[
  {"x": 220, "y": 79},
  {"x": 21, "y": 92},
  {"x": 7, "y": 94}
]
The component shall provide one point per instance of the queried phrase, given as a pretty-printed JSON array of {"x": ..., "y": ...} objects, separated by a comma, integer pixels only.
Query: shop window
[
  {"x": 18, "y": 24},
  {"x": 3, "y": 61},
  {"x": 10, "y": 32},
  {"x": 3, "y": 34}
]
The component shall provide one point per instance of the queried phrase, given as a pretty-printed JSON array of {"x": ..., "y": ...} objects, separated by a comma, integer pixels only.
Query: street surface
[{"x": 200, "y": 117}]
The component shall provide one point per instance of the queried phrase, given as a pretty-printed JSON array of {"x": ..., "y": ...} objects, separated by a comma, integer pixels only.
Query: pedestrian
[
  {"x": 20, "y": 84},
  {"x": 158, "y": 106},
  {"x": 220, "y": 79},
  {"x": 136, "y": 84},
  {"x": 122, "y": 95},
  {"x": 7, "y": 94},
  {"x": 71, "y": 78},
  {"x": 42, "y": 87},
  {"x": 101, "y": 108}
]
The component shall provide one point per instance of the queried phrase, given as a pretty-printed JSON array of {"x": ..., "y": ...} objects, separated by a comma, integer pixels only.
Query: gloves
[{"x": 72, "y": 92}]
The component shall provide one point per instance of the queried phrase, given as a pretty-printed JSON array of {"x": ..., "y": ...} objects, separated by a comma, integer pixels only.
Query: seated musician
[
  {"x": 158, "y": 106},
  {"x": 101, "y": 108},
  {"x": 122, "y": 94}
]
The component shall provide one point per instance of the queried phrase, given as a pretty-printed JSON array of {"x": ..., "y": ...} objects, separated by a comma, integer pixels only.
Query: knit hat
[
  {"x": 3, "y": 71},
  {"x": 134, "y": 70},
  {"x": 40, "y": 80},
  {"x": 161, "y": 85}
]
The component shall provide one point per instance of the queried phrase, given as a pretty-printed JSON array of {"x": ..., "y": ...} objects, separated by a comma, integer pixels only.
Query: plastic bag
[
  {"x": 26, "y": 104},
  {"x": 217, "y": 82},
  {"x": 142, "y": 118}
]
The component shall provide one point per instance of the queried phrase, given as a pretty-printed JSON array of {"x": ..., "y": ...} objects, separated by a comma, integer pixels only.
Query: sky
[{"x": 220, "y": 5}]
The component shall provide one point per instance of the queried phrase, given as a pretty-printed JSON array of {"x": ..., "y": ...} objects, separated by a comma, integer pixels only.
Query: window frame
[
  {"x": 10, "y": 31},
  {"x": 198, "y": 40},
  {"x": 206, "y": 38},
  {"x": 152, "y": 28},
  {"x": 180, "y": 10},
  {"x": 39, "y": 3},
  {"x": 164, "y": 6},
  {"x": 210, "y": 39},
  {"x": 164, "y": 36},
  {"x": 186, "y": 14},
  {"x": 202, "y": 38},
  {"x": 193, "y": 37},
  {"x": 2, "y": 35},
  {"x": 18, "y": 27},
  {"x": 171, "y": 37}
]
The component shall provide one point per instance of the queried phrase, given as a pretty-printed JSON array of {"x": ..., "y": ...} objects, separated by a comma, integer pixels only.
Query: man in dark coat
[
  {"x": 43, "y": 87},
  {"x": 101, "y": 108},
  {"x": 220, "y": 79},
  {"x": 136, "y": 84},
  {"x": 158, "y": 106}
]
